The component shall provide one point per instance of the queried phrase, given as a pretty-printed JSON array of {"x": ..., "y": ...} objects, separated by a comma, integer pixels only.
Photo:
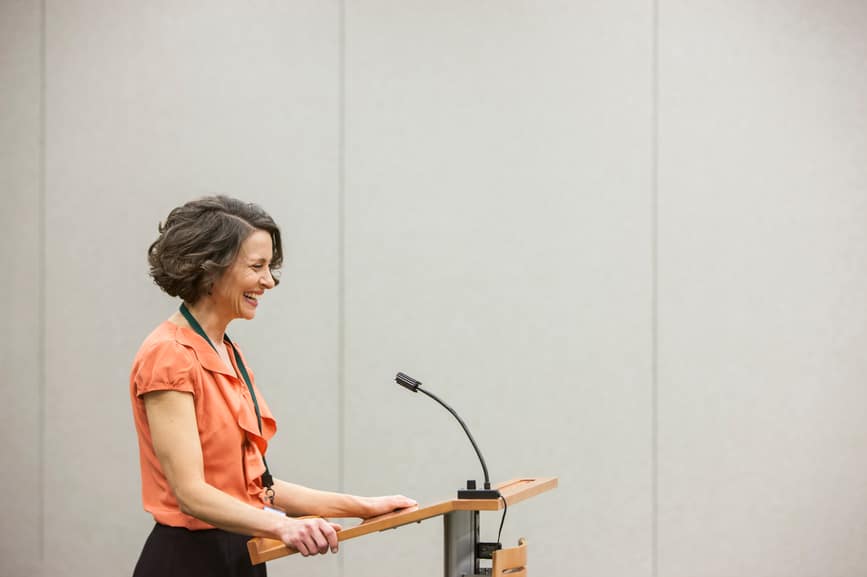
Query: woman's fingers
[
  {"x": 333, "y": 544},
  {"x": 312, "y": 536},
  {"x": 302, "y": 548},
  {"x": 401, "y": 502},
  {"x": 387, "y": 504},
  {"x": 321, "y": 541}
]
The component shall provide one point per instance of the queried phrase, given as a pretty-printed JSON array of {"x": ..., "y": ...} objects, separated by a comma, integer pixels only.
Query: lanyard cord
[{"x": 267, "y": 479}]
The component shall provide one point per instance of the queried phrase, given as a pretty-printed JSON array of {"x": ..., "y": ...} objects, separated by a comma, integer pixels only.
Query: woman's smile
[{"x": 252, "y": 299}]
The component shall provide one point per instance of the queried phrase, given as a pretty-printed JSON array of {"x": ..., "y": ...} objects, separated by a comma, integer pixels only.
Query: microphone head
[{"x": 407, "y": 381}]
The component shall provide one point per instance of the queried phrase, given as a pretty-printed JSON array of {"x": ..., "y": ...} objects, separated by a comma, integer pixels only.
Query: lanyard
[{"x": 267, "y": 479}]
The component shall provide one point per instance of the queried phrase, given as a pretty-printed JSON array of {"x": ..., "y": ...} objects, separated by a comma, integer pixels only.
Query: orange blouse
[{"x": 177, "y": 359}]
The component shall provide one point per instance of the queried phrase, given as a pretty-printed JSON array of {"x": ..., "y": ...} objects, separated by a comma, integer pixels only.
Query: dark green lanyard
[{"x": 267, "y": 479}]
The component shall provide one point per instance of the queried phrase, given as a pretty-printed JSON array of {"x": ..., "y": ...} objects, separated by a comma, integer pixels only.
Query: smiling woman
[{"x": 203, "y": 427}]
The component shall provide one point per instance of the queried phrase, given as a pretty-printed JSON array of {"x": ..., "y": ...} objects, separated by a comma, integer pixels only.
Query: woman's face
[{"x": 236, "y": 293}]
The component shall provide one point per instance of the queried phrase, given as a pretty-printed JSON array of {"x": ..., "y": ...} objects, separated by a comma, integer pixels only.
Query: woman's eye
[{"x": 257, "y": 266}]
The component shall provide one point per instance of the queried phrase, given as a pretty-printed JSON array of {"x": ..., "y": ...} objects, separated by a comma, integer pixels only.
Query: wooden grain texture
[{"x": 262, "y": 549}]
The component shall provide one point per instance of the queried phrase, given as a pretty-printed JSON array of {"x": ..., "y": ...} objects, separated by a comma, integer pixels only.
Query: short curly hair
[{"x": 200, "y": 240}]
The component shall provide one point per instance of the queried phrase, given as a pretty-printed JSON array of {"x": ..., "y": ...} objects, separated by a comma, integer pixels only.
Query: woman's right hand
[{"x": 310, "y": 535}]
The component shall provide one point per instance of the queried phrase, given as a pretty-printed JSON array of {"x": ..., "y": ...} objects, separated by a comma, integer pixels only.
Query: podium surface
[{"x": 461, "y": 524}]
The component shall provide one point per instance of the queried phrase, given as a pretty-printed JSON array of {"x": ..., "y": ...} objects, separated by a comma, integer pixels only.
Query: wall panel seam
[
  {"x": 341, "y": 255},
  {"x": 654, "y": 242},
  {"x": 41, "y": 280}
]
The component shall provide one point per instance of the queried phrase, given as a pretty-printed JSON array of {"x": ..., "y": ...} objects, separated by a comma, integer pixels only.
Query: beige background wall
[
  {"x": 625, "y": 240},
  {"x": 762, "y": 312},
  {"x": 21, "y": 259}
]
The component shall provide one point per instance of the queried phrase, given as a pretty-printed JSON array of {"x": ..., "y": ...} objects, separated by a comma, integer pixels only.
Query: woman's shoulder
[
  {"x": 163, "y": 361},
  {"x": 164, "y": 343}
]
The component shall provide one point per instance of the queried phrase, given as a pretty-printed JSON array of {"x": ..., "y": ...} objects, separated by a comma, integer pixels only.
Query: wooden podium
[{"x": 461, "y": 521}]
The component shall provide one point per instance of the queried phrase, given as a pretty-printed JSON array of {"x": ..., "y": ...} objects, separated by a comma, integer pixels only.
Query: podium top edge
[{"x": 514, "y": 491}]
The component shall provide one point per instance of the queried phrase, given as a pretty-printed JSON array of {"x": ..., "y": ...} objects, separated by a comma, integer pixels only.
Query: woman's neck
[{"x": 208, "y": 316}]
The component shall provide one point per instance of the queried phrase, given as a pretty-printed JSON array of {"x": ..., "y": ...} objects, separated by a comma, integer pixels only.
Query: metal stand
[{"x": 460, "y": 538}]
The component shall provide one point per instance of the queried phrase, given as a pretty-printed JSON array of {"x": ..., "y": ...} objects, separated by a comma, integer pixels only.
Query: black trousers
[{"x": 179, "y": 552}]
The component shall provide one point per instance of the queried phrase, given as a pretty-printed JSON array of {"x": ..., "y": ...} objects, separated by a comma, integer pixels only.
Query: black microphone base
[{"x": 478, "y": 494}]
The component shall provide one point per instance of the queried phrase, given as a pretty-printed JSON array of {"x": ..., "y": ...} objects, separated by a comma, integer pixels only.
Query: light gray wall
[
  {"x": 762, "y": 278},
  {"x": 625, "y": 240},
  {"x": 498, "y": 238},
  {"x": 21, "y": 258}
]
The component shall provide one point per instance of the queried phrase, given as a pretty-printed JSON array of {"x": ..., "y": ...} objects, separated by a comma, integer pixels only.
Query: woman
[{"x": 203, "y": 426}]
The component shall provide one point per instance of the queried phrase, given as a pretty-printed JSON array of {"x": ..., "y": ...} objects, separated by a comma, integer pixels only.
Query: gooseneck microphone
[{"x": 470, "y": 492}]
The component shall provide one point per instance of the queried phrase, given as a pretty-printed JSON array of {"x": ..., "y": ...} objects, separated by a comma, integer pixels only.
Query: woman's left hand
[{"x": 376, "y": 506}]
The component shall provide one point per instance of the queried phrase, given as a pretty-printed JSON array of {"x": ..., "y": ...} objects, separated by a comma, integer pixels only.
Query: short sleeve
[{"x": 167, "y": 366}]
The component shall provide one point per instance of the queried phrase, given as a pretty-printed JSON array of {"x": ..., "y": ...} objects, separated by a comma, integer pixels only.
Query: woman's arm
[
  {"x": 175, "y": 437},
  {"x": 298, "y": 500}
]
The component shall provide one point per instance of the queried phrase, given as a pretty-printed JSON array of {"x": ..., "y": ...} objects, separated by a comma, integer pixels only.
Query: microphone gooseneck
[
  {"x": 467, "y": 431},
  {"x": 470, "y": 492}
]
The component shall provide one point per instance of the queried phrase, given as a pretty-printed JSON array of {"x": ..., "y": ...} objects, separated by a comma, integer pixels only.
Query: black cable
[{"x": 503, "y": 519}]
